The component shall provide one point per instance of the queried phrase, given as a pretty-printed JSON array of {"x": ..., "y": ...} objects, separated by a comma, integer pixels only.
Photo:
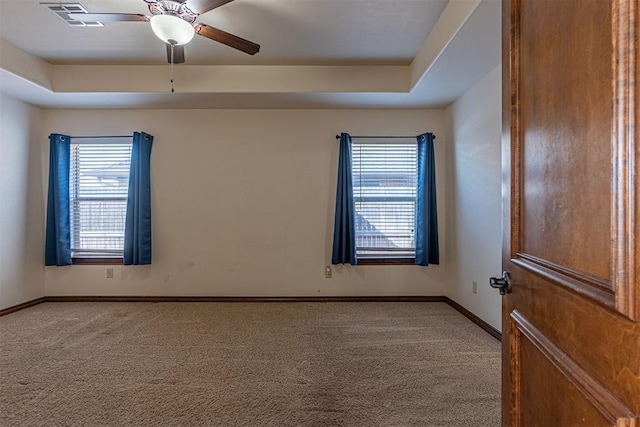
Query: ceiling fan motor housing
[{"x": 172, "y": 7}]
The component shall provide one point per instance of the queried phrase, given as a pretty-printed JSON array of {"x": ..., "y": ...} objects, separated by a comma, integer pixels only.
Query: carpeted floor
[{"x": 247, "y": 364}]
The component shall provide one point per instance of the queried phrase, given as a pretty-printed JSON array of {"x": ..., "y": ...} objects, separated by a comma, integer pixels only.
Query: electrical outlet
[
  {"x": 474, "y": 287},
  {"x": 327, "y": 272},
  {"x": 109, "y": 273}
]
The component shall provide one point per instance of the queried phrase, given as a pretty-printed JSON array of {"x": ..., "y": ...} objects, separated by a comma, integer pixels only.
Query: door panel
[
  {"x": 571, "y": 339},
  {"x": 585, "y": 401},
  {"x": 560, "y": 109}
]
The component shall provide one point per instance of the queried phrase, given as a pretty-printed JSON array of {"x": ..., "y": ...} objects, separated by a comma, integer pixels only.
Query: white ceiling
[
  {"x": 289, "y": 32},
  {"x": 437, "y": 40}
]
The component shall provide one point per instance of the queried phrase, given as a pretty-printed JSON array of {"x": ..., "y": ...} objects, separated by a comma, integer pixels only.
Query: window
[
  {"x": 384, "y": 191},
  {"x": 98, "y": 185}
]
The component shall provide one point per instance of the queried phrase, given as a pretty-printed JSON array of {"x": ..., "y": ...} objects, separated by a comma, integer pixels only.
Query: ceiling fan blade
[
  {"x": 108, "y": 17},
  {"x": 178, "y": 54},
  {"x": 203, "y": 6},
  {"x": 226, "y": 38}
]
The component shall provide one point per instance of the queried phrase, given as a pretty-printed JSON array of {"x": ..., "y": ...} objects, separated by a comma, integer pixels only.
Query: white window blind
[
  {"x": 384, "y": 189},
  {"x": 98, "y": 184}
]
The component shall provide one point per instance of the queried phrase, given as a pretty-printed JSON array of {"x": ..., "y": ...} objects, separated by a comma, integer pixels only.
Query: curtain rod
[{"x": 386, "y": 137}]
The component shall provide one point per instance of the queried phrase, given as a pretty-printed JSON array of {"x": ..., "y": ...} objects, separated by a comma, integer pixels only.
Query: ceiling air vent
[{"x": 62, "y": 10}]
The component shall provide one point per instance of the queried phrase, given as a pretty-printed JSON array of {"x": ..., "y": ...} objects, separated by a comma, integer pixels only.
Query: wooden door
[{"x": 571, "y": 331}]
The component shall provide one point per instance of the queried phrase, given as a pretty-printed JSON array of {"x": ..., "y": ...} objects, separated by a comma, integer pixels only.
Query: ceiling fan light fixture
[{"x": 171, "y": 29}]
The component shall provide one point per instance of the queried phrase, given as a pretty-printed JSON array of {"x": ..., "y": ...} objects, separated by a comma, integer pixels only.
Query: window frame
[
  {"x": 86, "y": 260},
  {"x": 387, "y": 261},
  {"x": 384, "y": 259},
  {"x": 101, "y": 258}
]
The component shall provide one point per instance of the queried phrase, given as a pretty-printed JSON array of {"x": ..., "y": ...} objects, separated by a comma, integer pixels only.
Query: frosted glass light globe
[{"x": 171, "y": 29}]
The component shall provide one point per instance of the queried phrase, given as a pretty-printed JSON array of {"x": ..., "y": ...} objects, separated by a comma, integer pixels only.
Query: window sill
[
  {"x": 386, "y": 261},
  {"x": 97, "y": 261}
]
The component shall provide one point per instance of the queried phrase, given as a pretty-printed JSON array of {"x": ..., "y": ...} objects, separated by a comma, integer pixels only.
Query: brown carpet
[{"x": 247, "y": 364}]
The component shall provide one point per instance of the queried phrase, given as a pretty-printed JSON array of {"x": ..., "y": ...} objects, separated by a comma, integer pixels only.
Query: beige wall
[
  {"x": 474, "y": 200},
  {"x": 243, "y": 203},
  {"x": 21, "y": 203}
]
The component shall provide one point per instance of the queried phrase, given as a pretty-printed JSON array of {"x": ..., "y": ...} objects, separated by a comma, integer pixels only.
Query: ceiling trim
[
  {"x": 229, "y": 79},
  {"x": 453, "y": 17},
  {"x": 24, "y": 65}
]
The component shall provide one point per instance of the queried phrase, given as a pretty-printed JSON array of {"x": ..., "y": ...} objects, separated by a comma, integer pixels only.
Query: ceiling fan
[{"x": 173, "y": 21}]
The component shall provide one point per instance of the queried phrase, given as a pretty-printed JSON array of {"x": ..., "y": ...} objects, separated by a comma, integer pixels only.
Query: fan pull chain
[{"x": 172, "y": 47}]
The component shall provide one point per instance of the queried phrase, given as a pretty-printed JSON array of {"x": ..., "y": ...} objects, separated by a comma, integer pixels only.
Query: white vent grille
[{"x": 62, "y": 11}]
